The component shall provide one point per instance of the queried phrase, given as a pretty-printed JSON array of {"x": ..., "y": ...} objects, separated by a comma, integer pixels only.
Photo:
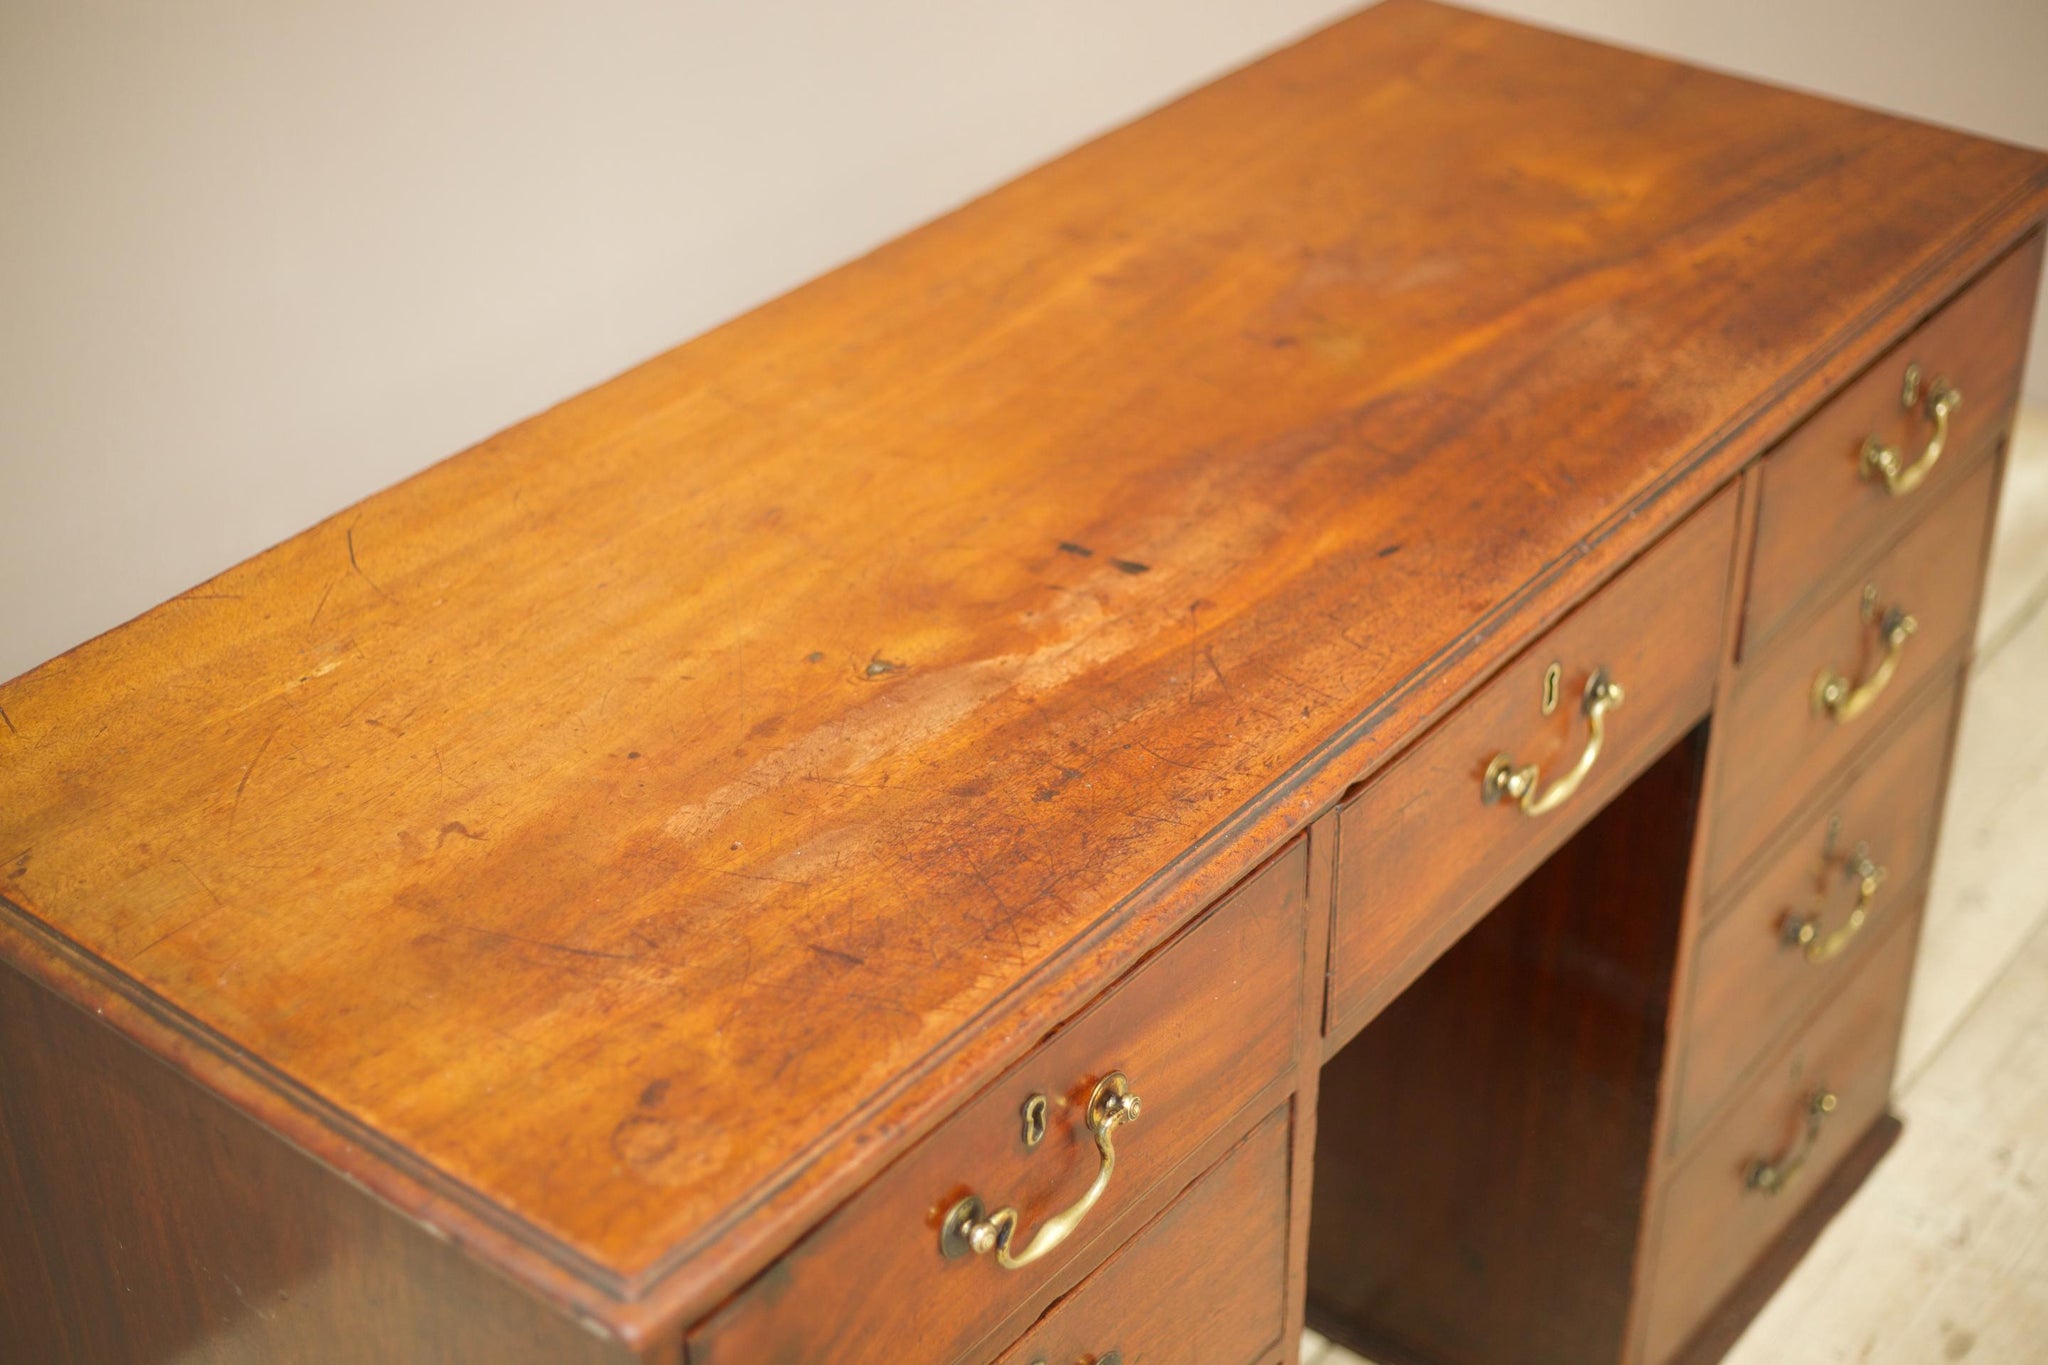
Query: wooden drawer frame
[
  {"x": 1421, "y": 854},
  {"x": 1884, "y": 798},
  {"x": 1162, "y": 1026}
]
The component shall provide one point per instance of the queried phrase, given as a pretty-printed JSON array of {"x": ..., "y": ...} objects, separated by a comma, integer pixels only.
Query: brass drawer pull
[
  {"x": 970, "y": 1228},
  {"x": 1883, "y": 462},
  {"x": 1803, "y": 931},
  {"x": 1835, "y": 695},
  {"x": 1506, "y": 782},
  {"x": 1771, "y": 1177}
]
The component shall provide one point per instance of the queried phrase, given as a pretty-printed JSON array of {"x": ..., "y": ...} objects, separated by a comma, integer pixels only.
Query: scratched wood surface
[{"x": 601, "y": 826}]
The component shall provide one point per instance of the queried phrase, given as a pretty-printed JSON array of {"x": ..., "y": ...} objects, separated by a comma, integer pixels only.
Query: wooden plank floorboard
[
  {"x": 1990, "y": 882},
  {"x": 2018, "y": 577}
]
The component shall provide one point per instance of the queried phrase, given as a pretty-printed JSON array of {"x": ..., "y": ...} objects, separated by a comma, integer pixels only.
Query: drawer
[
  {"x": 1719, "y": 1214},
  {"x": 1781, "y": 737},
  {"x": 1422, "y": 850},
  {"x": 1200, "y": 1029},
  {"x": 1789, "y": 936},
  {"x": 1821, "y": 513},
  {"x": 1204, "y": 1284}
]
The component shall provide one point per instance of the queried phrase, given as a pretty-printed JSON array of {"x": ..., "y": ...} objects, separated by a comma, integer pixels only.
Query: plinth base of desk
[{"x": 1735, "y": 1312}]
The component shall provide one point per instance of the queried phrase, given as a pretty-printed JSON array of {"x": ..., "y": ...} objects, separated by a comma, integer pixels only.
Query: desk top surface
[{"x": 618, "y": 830}]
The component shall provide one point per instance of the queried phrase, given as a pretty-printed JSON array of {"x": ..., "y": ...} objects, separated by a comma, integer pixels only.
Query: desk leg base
[
  {"x": 1360, "y": 1340},
  {"x": 1735, "y": 1312}
]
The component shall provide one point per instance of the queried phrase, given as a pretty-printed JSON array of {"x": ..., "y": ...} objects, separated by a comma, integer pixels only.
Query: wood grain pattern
[
  {"x": 776, "y": 741},
  {"x": 1420, "y": 857},
  {"x": 1203, "y": 1031},
  {"x": 1819, "y": 515},
  {"x": 1204, "y": 1284}
]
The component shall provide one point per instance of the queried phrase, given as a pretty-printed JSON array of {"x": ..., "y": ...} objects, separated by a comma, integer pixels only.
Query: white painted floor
[{"x": 1943, "y": 1255}]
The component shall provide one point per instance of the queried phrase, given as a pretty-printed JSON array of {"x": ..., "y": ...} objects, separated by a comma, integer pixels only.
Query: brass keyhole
[
  {"x": 1034, "y": 1121},
  {"x": 1553, "y": 687}
]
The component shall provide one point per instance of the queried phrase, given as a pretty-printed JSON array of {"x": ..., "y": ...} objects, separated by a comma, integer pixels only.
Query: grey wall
[
  {"x": 259, "y": 260},
  {"x": 1979, "y": 65}
]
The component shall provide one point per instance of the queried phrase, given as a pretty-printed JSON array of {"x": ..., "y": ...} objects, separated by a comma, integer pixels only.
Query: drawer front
[
  {"x": 1199, "y": 1030},
  {"x": 1421, "y": 848},
  {"x": 1718, "y": 1216},
  {"x": 1782, "y": 735},
  {"x": 1820, "y": 512},
  {"x": 1814, "y": 911},
  {"x": 1204, "y": 1284}
]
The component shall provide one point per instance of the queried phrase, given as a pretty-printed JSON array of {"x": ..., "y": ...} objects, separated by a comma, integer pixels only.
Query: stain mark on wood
[
  {"x": 641, "y": 1142},
  {"x": 1130, "y": 566},
  {"x": 655, "y": 1093},
  {"x": 10, "y": 721},
  {"x": 455, "y": 827},
  {"x": 1069, "y": 547},
  {"x": 836, "y": 955},
  {"x": 877, "y": 665}
]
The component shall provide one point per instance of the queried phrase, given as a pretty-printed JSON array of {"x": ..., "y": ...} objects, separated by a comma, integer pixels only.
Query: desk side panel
[{"x": 143, "y": 1220}]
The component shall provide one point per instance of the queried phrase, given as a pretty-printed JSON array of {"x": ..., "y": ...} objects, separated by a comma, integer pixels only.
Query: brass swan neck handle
[
  {"x": 1886, "y": 463},
  {"x": 969, "y": 1229},
  {"x": 1504, "y": 781}
]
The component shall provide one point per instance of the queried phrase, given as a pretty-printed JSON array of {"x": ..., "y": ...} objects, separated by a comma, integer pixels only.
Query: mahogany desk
[{"x": 1405, "y": 610}]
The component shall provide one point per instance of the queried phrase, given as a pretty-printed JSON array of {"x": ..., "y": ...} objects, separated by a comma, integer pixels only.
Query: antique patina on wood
[{"x": 614, "y": 846}]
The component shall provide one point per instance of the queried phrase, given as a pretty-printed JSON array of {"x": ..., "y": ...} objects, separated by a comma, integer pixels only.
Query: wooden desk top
[{"x": 616, "y": 841}]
